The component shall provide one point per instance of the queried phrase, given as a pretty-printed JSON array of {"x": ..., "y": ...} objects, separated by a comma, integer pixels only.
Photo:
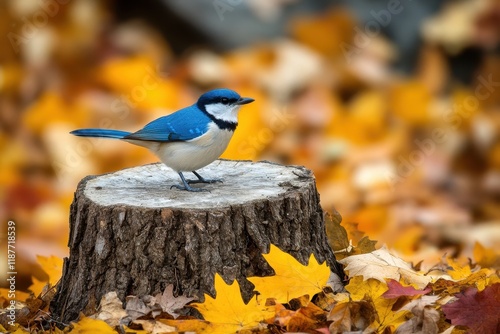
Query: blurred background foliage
[{"x": 393, "y": 104}]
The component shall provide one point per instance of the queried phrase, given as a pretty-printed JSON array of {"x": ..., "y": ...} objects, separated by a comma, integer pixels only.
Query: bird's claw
[
  {"x": 203, "y": 180},
  {"x": 187, "y": 188}
]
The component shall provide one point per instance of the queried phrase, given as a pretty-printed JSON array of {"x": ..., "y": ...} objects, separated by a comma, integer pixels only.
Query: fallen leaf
[
  {"x": 195, "y": 326},
  {"x": 110, "y": 309},
  {"x": 306, "y": 319},
  {"x": 477, "y": 310},
  {"x": 228, "y": 311},
  {"x": 458, "y": 272},
  {"x": 365, "y": 245},
  {"x": 52, "y": 265},
  {"x": 396, "y": 290},
  {"x": 382, "y": 265},
  {"x": 155, "y": 327},
  {"x": 282, "y": 315},
  {"x": 337, "y": 234},
  {"x": 424, "y": 321},
  {"x": 292, "y": 278},
  {"x": 169, "y": 303},
  {"x": 351, "y": 316},
  {"x": 373, "y": 290},
  {"x": 91, "y": 326},
  {"x": 136, "y": 307}
]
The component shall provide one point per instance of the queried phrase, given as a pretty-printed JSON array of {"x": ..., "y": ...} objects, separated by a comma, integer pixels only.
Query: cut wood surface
[{"x": 131, "y": 233}]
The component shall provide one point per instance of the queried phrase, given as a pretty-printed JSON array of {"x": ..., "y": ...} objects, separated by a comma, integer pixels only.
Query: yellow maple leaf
[
  {"x": 382, "y": 265},
  {"x": 52, "y": 265},
  {"x": 457, "y": 271},
  {"x": 227, "y": 312},
  {"x": 372, "y": 290},
  {"x": 292, "y": 278},
  {"x": 90, "y": 326}
]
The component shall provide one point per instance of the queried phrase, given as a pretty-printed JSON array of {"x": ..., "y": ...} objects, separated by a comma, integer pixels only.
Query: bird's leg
[
  {"x": 186, "y": 185},
  {"x": 201, "y": 179}
]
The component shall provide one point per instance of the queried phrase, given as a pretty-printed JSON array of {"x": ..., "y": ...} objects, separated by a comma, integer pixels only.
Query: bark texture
[{"x": 131, "y": 233}]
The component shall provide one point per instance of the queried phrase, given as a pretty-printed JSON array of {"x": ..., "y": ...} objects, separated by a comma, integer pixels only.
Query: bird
[{"x": 188, "y": 139}]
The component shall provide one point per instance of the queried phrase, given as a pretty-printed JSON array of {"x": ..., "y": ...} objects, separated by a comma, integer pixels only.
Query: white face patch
[{"x": 224, "y": 112}]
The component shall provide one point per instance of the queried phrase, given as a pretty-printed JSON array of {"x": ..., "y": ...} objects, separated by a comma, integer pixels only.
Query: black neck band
[{"x": 223, "y": 125}]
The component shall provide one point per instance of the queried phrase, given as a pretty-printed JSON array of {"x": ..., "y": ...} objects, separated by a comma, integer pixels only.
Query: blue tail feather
[{"x": 103, "y": 133}]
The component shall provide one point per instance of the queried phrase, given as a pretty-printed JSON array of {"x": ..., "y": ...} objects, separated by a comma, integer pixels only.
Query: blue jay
[{"x": 188, "y": 139}]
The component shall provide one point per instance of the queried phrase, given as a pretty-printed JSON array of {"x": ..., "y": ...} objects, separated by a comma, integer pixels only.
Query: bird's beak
[{"x": 244, "y": 100}]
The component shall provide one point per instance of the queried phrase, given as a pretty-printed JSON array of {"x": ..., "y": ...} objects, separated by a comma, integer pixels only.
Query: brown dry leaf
[
  {"x": 351, "y": 316},
  {"x": 364, "y": 246},
  {"x": 169, "y": 303},
  {"x": 136, "y": 307},
  {"x": 25, "y": 312},
  {"x": 341, "y": 238},
  {"x": 337, "y": 235},
  {"x": 282, "y": 315},
  {"x": 425, "y": 318},
  {"x": 110, "y": 310},
  {"x": 306, "y": 319},
  {"x": 382, "y": 265}
]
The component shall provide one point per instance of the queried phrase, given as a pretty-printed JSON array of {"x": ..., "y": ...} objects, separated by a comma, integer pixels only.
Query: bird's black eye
[{"x": 224, "y": 100}]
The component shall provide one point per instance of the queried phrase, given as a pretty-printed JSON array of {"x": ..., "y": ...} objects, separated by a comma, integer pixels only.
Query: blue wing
[{"x": 185, "y": 124}]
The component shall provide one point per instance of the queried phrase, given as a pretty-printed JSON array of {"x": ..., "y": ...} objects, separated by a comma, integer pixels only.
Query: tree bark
[{"x": 131, "y": 233}]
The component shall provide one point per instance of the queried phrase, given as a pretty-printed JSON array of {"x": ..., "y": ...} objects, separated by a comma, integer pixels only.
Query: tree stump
[{"x": 131, "y": 233}]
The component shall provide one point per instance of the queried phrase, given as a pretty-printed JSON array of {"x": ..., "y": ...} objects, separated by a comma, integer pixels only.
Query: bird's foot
[
  {"x": 201, "y": 179},
  {"x": 188, "y": 188}
]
